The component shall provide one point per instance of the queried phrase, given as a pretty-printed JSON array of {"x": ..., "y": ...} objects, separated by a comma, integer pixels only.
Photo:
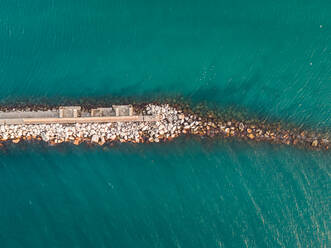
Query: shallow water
[{"x": 272, "y": 59}]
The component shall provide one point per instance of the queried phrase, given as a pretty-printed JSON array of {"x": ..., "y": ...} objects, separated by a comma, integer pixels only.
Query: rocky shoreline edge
[{"x": 175, "y": 120}]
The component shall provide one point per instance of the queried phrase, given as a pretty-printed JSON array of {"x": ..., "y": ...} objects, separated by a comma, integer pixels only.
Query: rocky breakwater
[
  {"x": 173, "y": 122},
  {"x": 168, "y": 127},
  {"x": 185, "y": 121}
]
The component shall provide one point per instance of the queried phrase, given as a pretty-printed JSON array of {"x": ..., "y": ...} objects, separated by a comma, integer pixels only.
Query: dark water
[{"x": 272, "y": 59}]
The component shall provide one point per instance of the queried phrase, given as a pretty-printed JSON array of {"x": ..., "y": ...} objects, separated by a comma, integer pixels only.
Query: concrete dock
[{"x": 74, "y": 114}]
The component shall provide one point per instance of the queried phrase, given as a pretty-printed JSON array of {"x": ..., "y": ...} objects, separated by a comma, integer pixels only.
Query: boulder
[
  {"x": 314, "y": 143},
  {"x": 241, "y": 126},
  {"x": 44, "y": 137},
  {"x": 15, "y": 141},
  {"x": 77, "y": 141},
  {"x": 102, "y": 141},
  {"x": 181, "y": 117},
  {"x": 251, "y": 136},
  {"x": 95, "y": 138}
]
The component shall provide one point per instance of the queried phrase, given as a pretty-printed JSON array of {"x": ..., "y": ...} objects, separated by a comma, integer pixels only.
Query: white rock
[
  {"x": 44, "y": 137},
  {"x": 95, "y": 138}
]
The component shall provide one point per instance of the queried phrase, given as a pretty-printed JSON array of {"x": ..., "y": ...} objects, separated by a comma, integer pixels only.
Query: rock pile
[
  {"x": 167, "y": 127},
  {"x": 173, "y": 121}
]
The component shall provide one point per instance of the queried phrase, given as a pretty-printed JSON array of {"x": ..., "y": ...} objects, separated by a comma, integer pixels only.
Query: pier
[{"x": 74, "y": 114}]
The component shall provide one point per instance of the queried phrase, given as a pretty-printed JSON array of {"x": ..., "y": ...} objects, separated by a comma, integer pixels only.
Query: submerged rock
[
  {"x": 314, "y": 143},
  {"x": 251, "y": 136}
]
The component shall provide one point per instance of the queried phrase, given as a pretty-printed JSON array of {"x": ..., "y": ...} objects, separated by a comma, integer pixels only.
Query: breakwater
[{"x": 162, "y": 122}]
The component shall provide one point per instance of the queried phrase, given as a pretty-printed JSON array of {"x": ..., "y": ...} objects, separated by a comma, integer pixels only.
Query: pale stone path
[
  {"x": 29, "y": 114},
  {"x": 52, "y": 120}
]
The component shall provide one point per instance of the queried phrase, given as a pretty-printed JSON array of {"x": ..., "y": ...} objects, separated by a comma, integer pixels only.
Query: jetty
[
  {"x": 149, "y": 123},
  {"x": 75, "y": 114}
]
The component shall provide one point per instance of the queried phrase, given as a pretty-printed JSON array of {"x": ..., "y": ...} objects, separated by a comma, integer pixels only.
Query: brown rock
[
  {"x": 181, "y": 116},
  {"x": 102, "y": 142},
  {"x": 15, "y": 141},
  {"x": 251, "y": 136}
]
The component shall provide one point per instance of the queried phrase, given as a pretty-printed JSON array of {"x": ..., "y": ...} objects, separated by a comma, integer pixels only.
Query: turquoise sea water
[{"x": 270, "y": 58}]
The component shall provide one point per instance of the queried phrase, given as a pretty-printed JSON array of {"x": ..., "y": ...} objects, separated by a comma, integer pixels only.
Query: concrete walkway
[
  {"x": 29, "y": 114},
  {"x": 51, "y": 120}
]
